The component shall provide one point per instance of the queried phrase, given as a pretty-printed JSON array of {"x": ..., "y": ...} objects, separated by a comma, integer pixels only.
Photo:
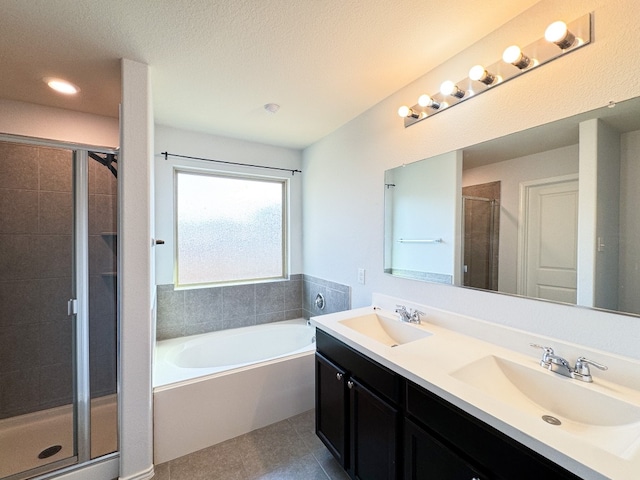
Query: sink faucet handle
[
  {"x": 582, "y": 365},
  {"x": 415, "y": 316},
  {"x": 547, "y": 352},
  {"x": 582, "y": 372}
]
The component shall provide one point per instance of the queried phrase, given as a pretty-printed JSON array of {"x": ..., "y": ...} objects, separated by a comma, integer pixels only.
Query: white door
[{"x": 548, "y": 239}]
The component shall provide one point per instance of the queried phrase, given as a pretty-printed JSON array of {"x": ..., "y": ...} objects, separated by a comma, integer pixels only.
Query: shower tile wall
[
  {"x": 337, "y": 297},
  {"x": 103, "y": 225},
  {"x": 35, "y": 333},
  {"x": 35, "y": 282},
  {"x": 189, "y": 312}
]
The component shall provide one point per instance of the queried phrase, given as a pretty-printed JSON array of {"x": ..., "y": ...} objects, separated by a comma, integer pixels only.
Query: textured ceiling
[{"x": 214, "y": 64}]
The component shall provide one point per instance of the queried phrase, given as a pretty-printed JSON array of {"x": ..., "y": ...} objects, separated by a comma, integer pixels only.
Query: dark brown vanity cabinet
[
  {"x": 425, "y": 457},
  {"x": 332, "y": 408},
  {"x": 359, "y": 424},
  {"x": 487, "y": 453},
  {"x": 380, "y": 426}
]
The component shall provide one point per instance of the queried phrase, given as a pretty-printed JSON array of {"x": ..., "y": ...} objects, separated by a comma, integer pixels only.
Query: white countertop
[{"x": 429, "y": 362}]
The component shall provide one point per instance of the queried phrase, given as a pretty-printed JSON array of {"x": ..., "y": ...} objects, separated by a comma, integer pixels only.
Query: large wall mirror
[{"x": 548, "y": 213}]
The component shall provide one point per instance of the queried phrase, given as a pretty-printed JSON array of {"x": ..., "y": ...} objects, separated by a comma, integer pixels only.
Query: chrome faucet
[
  {"x": 409, "y": 316},
  {"x": 582, "y": 372},
  {"x": 557, "y": 364}
]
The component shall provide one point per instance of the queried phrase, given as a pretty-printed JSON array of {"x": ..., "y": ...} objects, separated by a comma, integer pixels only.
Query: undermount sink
[
  {"x": 386, "y": 330},
  {"x": 603, "y": 420}
]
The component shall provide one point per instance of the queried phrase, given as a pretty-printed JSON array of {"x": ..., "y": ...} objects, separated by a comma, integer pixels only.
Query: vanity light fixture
[
  {"x": 61, "y": 86},
  {"x": 407, "y": 112},
  {"x": 480, "y": 74},
  {"x": 515, "y": 57},
  {"x": 559, "y": 34},
  {"x": 448, "y": 88},
  {"x": 427, "y": 101},
  {"x": 568, "y": 36}
]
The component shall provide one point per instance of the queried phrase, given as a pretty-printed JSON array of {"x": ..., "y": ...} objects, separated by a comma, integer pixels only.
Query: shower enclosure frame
[
  {"x": 493, "y": 203},
  {"x": 78, "y": 307}
]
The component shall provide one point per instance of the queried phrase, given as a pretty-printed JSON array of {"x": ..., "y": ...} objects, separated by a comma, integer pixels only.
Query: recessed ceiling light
[{"x": 62, "y": 86}]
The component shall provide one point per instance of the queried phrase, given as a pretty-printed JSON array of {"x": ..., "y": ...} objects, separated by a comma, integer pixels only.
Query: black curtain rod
[{"x": 292, "y": 170}]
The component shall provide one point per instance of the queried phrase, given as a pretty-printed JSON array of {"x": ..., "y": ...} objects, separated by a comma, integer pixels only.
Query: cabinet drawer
[
  {"x": 494, "y": 452},
  {"x": 377, "y": 377}
]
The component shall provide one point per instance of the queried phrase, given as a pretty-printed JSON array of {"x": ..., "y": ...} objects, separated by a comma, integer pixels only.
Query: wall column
[{"x": 135, "y": 171}]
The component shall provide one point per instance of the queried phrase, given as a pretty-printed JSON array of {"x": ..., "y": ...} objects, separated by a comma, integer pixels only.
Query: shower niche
[{"x": 58, "y": 306}]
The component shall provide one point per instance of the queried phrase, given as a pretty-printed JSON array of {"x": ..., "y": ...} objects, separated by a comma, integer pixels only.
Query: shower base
[{"x": 38, "y": 439}]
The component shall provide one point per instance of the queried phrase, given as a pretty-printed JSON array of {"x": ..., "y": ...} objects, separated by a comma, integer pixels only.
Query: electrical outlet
[{"x": 361, "y": 272}]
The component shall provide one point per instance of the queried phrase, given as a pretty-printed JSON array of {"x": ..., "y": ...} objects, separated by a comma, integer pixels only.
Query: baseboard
[{"x": 143, "y": 475}]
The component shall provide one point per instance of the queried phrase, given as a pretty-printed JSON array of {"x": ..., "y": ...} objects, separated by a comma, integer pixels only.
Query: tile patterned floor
[{"x": 287, "y": 450}]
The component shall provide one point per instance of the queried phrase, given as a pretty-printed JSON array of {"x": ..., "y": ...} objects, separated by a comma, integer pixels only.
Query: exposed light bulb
[
  {"x": 558, "y": 33},
  {"x": 449, "y": 88},
  {"x": 405, "y": 111},
  {"x": 62, "y": 86},
  {"x": 427, "y": 101},
  {"x": 515, "y": 57},
  {"x": 480, "y": 74}
]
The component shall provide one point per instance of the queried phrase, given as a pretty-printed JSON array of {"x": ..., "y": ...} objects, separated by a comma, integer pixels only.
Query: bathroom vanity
[{"x": 397, "y": 400}]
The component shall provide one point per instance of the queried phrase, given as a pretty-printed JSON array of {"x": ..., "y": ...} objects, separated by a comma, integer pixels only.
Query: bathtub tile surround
[
  {"x": 189, "y": 312},
  {"x": 337, "y": 297},
  {"x": 285, "y": 450}
]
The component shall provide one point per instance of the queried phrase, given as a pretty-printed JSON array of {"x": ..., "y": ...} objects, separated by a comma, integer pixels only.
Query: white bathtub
[
  {"x": 185, "y": 358},
  {"x": 212, "y": 387}
]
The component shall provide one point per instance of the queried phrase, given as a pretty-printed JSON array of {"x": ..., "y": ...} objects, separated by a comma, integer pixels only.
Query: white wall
[
  {"x": 182, "y": 142},
  {"x": 510, "y": 173},
  {"x": 425, "y": 207},
  {"x": 135, "y": 265},
  {"x": 608, "y": 225},
  {"x": 30, "y": 120},
  {"x": 344, "y": 172},
  {"x": 598, "y": 258},
  {"x": 629, "y": 268}
]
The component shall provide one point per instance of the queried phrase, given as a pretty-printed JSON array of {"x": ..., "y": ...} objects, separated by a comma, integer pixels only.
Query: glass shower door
[{"x": 37, "y": 321}]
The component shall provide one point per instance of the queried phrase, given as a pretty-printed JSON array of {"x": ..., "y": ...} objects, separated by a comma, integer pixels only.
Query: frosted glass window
[{"x": 230, "y": 229}]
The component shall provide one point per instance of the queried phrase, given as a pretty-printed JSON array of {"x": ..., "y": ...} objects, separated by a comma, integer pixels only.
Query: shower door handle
[
  {"x": 155, "y": 242},
  {"x": 72, "y": 307}
]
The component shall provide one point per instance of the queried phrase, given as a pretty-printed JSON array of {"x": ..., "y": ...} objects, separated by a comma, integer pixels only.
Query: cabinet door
[
  {"x": 425, "y": 458},
  {"x": 374, "y": 426},
  {"x": 331, "y": 408}
]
